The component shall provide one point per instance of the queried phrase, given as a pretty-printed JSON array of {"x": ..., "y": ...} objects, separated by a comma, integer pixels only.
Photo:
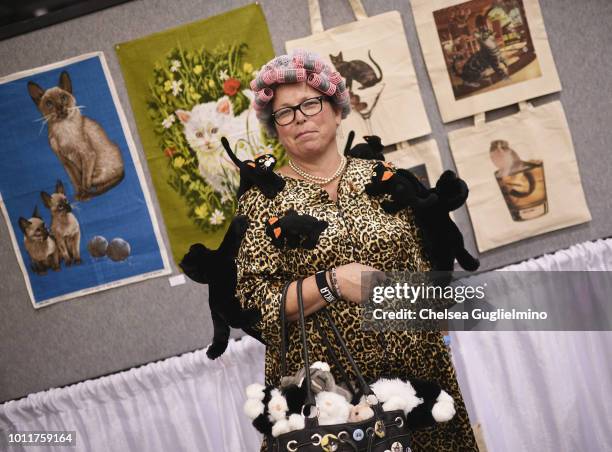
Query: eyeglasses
[{"x": 310, "y": 107}]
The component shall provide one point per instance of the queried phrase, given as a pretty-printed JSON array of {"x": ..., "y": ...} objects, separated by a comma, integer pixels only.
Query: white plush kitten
[{"x": 204, "y": 126}]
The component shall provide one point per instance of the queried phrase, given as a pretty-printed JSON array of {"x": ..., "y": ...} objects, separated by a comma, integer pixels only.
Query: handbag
[{"x": 386, "y": 430}]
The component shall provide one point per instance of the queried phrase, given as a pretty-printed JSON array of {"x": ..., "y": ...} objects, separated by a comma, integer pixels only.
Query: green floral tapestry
[{"x": 188, "y": 87}]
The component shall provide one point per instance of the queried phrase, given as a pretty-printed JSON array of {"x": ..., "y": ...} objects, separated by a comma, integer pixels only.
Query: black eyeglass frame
[{"x": 295, "y": 108}]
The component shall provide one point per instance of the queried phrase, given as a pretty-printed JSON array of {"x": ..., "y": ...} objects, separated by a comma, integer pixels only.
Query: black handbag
[{"x": 385, "y": 431}]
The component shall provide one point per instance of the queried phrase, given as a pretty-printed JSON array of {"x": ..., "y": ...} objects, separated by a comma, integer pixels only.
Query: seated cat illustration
[
  {"x": 93, "y": 162},
  {"x": 357, "y": 70},
  {"x": 39, "y": 244},
  {"x": 489, "y": 56},
  {"x": 204, "y": 126},
  {"x": 64, "y": 224}
]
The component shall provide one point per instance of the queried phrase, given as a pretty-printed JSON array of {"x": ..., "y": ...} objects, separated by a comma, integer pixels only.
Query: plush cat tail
[
  {"x": 349, "y": 142},
  {"x": 229, "y": 151}
]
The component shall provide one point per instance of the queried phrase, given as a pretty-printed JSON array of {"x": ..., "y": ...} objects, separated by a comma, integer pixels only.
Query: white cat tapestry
[{"x": 72, "y": 190}]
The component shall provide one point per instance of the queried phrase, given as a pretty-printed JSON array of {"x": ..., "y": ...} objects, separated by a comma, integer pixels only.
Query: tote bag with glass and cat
[
  {"x": 522, "y": 173},
  {"x": 373, "y": 57}
]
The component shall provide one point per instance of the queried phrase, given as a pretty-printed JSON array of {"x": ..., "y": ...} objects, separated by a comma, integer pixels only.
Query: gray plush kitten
[{"x": 93, "y": 162}]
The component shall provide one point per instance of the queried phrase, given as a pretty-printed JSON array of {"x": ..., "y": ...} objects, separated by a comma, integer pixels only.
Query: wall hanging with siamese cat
[
  {"x": 189, "y": 86},
  {"x": 71, "y": 185},
  {"x": 522, "y": 173},
  {"x": 372, "y": 56}
]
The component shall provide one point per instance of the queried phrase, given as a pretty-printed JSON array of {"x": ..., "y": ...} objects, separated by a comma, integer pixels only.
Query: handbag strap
[
  {"x": 310, "y": 399},
  {"x": 331, "y": 352},
  {"x": 316, "y": 23},
  {"x": 365, "y": 388},
  {"x": 334, "y": 357}
]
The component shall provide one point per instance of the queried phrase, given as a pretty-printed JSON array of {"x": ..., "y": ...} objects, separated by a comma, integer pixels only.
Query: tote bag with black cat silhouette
[
  {"x": 522, "y": 174},
  {"x": 484, "y": 54},
  {"x": 373, "y": 57}
]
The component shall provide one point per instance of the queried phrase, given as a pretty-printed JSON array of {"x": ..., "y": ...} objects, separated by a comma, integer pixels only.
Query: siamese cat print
[
  {"x": 91, "y": 160},
  {"x": 39, "y": 244},
  {"x": 64, "y": 225}
]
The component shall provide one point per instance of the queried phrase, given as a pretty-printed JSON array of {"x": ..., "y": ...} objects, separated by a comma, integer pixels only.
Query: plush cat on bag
[
  {"x": 294, "y": 230},
  {"x": 321, "y": 380},
  {"x": 204, "y": 125},
  {"x": 424, "y": 403},
  {"x": 258, "y": 172},
  {"x": 270, "y": 410},
  {"x": 91, "y": 160},
  {"x": 217, "y": 268}
]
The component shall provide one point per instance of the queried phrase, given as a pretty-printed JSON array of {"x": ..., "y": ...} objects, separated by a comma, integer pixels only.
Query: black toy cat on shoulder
[
  {"x": 258, "y": 172},
  {"x": 372, "y": 149},
  {"x": 404, "y": 188}
]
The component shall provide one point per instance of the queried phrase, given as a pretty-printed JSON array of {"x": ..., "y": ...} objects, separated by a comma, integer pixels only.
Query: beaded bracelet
[{"x": 335, "y": 284}]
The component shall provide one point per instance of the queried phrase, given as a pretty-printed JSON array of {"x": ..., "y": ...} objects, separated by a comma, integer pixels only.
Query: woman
[{"x": 302, "y": 100}]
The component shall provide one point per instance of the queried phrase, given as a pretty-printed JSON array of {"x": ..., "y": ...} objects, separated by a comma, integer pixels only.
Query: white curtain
[
  {"x": 541, "y": 390},
  {"x": 185, "y": 403},
  {"x": 531, "y": 391}
]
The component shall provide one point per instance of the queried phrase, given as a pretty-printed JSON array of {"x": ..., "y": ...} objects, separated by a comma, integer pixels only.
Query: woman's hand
[{"x": 354, "y": 286}]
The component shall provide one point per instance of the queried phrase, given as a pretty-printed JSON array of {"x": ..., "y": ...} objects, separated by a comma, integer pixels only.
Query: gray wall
[{"x": 132, "y": 325}]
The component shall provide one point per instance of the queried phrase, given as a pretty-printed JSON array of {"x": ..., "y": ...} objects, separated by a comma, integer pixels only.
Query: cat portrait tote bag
[
  {"x": 372, "y": 56},
  {"x": 484, "y": 54},
  {"x": 522, "y": 173}
]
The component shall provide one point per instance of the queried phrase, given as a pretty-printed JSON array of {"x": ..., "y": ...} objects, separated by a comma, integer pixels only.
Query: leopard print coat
[{"x": 359, "y": 231}]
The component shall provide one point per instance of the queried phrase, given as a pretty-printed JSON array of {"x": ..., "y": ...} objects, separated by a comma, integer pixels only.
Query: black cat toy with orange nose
[
  {"x": 258, "y": 172},
  {"x": 294, "y": 230}
]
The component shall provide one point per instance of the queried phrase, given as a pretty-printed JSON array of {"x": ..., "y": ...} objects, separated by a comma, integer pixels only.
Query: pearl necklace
[{"x": 318, "y": 179}]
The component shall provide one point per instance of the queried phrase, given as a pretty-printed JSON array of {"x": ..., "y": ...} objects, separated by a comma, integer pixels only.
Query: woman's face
[{"x": 306, "y": 135}]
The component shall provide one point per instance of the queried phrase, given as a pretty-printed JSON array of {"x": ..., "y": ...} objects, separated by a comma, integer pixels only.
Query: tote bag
[
  {"x": 422, "y": 159},
  {"x": 522, "y": 174},
  {"x": 484, "y": 54},
  {"x": 372, "y": 56}
]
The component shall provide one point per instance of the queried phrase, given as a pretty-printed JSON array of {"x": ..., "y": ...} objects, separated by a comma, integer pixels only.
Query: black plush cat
[
  {"x": 294, "y": 230},
  {"x": 372, "y": 149},
  {"x": 217, "y": 268},
  {"x": 443, "y": 239},
  {"x": 404, "y": 188},
  {"x": 259, "y": 172}
]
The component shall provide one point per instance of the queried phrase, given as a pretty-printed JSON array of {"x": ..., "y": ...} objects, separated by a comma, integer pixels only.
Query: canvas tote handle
[
  {"x": 479, "y": 118},
  {"x": 316, "y": 23}
]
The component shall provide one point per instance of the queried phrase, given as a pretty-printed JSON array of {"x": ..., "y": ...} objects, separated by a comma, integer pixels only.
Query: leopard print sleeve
[{"x": 260, "y": 275}]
